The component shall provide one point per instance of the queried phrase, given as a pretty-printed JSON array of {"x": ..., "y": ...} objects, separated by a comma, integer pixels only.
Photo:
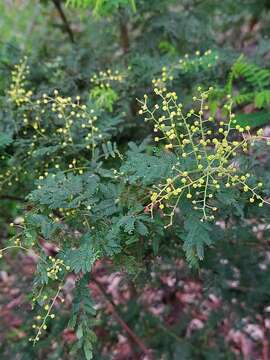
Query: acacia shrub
[{"x": 104, "y": 174}]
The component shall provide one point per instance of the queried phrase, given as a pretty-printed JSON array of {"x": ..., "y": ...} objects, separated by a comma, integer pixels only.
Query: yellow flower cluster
[
  {"x": 184, "y": 64},
  {"x": 205, "y": 149},
  {"x": 56, "y": 267},
  {"x": 17, "y": 92},
  {"x": 16, "y": 245},
  {"x": 200, "y": 58},
  {"x": 42, "y": 320},
  {"x": 71, "y": 119},
  {"x": 70, "y": 114},
  {"x": 104, "y": 79}
]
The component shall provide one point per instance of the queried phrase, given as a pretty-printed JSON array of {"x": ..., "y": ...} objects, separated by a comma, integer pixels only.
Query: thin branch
[
  {"x": 122, "y": 323},
  {"x": 124, "y": 32},
  {"x": 58, "y": 6},
  {"x": 124, "y": 36}
]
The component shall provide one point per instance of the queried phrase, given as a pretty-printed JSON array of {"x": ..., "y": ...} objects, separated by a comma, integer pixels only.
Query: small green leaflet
[
  {"x": 254, "y": 119},
  {"x": 81, "y": 259},
  {"x": 83, "y": 318},
  {"x": 131, "y": 222},
  {"x": 197, "y": 236},
  {"x": 67, "y": 191},
  {"x": 5, "y": 140}
]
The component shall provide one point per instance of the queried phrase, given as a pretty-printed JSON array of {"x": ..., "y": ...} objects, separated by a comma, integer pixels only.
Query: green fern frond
[
  {"x": 253, "y": 74},
  {"x": 79, "y": 3},
  {"x": 101, "y": 7},
  {"x": 262, "y": 98},
  {"x": 241, "y": 99}
]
